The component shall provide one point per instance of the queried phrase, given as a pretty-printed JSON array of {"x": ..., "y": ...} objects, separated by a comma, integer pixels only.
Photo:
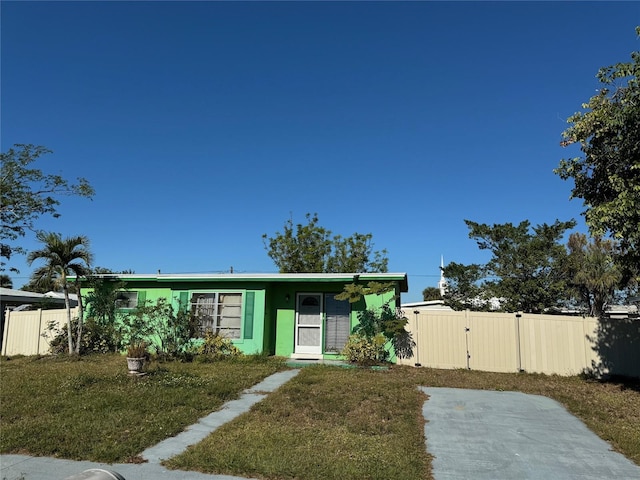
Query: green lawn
[
  {"x": 328, "y": 422},
  {"x": 353, "y": 424},
  {"x": 92, "y": 409}
]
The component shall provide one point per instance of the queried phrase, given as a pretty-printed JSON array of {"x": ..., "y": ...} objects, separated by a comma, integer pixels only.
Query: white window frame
[{"x": 216, "y": 321}]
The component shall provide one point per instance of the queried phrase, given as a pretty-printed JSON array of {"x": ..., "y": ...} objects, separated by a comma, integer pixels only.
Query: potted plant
[{"x": 136, "y": 355}]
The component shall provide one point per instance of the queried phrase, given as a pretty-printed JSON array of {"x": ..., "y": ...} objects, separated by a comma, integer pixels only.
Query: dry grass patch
[
  {"x": 354, "y": 424},
  {"x": 91, "y": 409},
  {"x": 327, "y": 422}
]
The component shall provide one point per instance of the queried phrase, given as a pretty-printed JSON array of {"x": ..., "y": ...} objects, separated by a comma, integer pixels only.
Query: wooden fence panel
[{"x": 617, "y": 342}]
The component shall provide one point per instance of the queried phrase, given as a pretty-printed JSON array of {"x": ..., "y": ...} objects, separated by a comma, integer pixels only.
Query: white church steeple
[{"x": 442, "y": 283}]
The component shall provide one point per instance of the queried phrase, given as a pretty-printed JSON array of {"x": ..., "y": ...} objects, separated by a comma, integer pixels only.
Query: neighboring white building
[
  {"x": 412, "y": 307},
  {"x": 11, "y": 299}
]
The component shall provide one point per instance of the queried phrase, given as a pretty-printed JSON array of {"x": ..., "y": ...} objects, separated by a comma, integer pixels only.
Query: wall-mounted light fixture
[{"x": 287, "y": 298}]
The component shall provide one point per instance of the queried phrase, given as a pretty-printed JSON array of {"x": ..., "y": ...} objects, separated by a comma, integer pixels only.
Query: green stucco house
[{"x": 291, "y": 314}]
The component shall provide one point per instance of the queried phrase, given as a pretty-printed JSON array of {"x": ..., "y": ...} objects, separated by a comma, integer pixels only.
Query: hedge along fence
[
  {"x": 30, "y": 332},
  {"x": 515, "y": 342}
]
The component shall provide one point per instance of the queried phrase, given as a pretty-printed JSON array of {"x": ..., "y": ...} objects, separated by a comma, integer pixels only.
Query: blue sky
[{"x": 203, "y": 125}]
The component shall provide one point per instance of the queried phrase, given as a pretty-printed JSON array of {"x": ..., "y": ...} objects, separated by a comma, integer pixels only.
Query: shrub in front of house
[
  {"x": 96, "y": 338},
  {"x": 379, "y": 330},
  {"x": 215, "y": 347},
  {"x": 365, "y": 350}
]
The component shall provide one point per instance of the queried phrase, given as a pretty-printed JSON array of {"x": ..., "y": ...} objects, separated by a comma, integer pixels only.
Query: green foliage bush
[
  {"x": 366, "y": 350},
  {"x": 168, "y": 332},
  {"x": 216, "y": 347},
  {"x": 375, "y": 329},
  {"x": 96, "y": 338}
]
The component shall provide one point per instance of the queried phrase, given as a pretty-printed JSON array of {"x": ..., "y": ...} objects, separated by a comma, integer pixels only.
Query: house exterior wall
[
  {"x": 285, "y": 313},
  {"x": 252, "y": 334}
]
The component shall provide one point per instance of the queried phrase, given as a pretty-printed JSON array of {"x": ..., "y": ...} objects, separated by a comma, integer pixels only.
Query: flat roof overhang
[{"x": 263, "y": 277}]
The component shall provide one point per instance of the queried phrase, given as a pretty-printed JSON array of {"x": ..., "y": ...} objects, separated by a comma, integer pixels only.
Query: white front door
[{"x": 309, "y": 324}]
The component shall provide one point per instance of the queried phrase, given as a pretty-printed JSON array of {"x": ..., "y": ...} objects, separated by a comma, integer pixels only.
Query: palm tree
[
  {"x": 5, "y": 281},
  {"x": 593, "y": 271},
  {"x": 66, "y": 256}
]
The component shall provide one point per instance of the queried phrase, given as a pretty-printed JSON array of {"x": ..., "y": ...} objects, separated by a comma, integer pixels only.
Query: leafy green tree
[
  {"x": 607, "y": 175},
  {"x": 300, "y": 248},
  {"x": 376, "y": 326},
  {"x": 311, "y": 248},
  {"x": 431, "y": 293},
  {"x": 525, "y": 272},
  {"x": 464, "y": 289},
  {"x": 26, "y": 193},
  {"x": 592, "y": 271},
  {"x": 353, "y": 254},
  {"x": 62, "y": 257}
]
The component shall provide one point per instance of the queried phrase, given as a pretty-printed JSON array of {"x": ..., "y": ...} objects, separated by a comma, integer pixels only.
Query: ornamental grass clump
[{"x": 137, "y": 350}]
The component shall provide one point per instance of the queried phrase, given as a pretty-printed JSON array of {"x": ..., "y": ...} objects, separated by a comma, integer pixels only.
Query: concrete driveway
[{"x": 477, "y": 434}]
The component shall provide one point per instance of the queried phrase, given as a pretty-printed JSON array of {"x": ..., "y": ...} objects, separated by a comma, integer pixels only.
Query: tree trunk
[
  {"x": 80, "y": 316},
  {"x": 65, "y": 289}
]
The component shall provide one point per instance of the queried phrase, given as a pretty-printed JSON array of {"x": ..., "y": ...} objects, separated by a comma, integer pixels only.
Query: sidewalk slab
[{"x": 510, "y": 435}]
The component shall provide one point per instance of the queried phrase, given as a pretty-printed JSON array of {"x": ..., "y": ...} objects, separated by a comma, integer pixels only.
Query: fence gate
[{"x": 492, "y": 342}]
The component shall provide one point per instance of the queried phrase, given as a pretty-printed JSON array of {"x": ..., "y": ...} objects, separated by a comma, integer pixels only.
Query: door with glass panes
[
  {"x": 320, "y": 316},
  {"x": 309, "y": 324}
]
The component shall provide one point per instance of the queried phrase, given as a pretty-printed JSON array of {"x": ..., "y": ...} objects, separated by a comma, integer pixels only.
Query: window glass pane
[
  {"x": 218, "y": 312},
  {"x": 338, "y": 324},
  {"x": 127, "y": 300}
]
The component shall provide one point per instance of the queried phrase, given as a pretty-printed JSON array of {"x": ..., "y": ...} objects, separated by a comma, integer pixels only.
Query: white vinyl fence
[
  {"x": 506, "y": 342},
  {"x": 494, "y": 342},
  {"x": 28, "y": 333}
]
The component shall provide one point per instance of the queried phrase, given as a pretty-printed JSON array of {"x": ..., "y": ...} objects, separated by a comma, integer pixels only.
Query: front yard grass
[
  {"x": 91, "y": 409},
  {"x": 330, "y": 422},
  {"x": 327, "y": 422}
]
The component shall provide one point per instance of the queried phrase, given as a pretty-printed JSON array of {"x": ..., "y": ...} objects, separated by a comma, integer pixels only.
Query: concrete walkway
[
  {"x": 22, "y": 467},
  {"x": 508, "y": 435},
  {"x": 196, "y": 433}
]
